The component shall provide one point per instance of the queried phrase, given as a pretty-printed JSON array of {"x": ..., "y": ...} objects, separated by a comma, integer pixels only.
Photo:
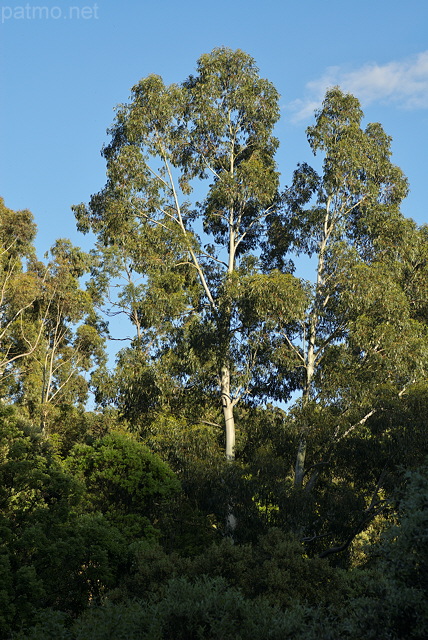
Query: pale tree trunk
[
  {"x": 311, "y": 355},
  {"x": 229, "y": 420},
  {"x": 226, "y": 400},
  {"x": 224, "y": 328},
  {"x": 299, "y": 471}
]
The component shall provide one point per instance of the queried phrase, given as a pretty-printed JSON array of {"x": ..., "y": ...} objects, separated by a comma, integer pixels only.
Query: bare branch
[
  {"x": 267, "y": 212},
  {"x": 211, "y": 257},
  {"x": 185, "y": 232},
  {"x": 355, "y": 425},
  {"x": 294, "y": 348}
]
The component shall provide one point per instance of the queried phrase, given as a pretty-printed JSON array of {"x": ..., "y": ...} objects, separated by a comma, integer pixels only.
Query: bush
[{"x": 124, "y": 481}]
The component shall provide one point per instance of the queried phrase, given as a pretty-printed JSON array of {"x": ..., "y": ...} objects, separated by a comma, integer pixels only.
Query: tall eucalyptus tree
[
  {"x": 360, "y": 317},
  {"x": 211, "y": 134}
]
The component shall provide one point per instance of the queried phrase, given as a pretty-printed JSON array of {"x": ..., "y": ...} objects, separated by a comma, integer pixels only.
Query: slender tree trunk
[
  {"x": 226, "y": 400},
  {"x": 311, "y": 355},
  {"x": 299, "y": 470},
  {"x": 229, "y": 420}
]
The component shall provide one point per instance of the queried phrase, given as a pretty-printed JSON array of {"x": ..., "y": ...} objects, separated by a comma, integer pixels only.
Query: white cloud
[{"x": 404, "y": 83}]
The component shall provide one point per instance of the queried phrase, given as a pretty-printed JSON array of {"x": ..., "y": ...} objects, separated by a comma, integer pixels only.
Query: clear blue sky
[{"x": 66, "y": 64}]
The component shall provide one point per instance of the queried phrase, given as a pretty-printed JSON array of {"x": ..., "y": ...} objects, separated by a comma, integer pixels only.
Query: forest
[{"x": 252, "y": 463}]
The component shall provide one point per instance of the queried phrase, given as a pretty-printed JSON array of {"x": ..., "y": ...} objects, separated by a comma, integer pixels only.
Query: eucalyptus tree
[
  {"x": 21, "y": 285},
  {"x": 71, "y": 336},
  {"x": 362, "y": 331},
  {"x": 211, "y": 135}
]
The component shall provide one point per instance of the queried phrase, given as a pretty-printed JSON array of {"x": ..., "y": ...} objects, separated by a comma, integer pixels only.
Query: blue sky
[{"x": 66, "y": 64}]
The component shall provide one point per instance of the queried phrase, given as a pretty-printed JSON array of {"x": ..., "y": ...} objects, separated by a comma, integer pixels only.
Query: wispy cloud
[{"x": 402, "y": 82}]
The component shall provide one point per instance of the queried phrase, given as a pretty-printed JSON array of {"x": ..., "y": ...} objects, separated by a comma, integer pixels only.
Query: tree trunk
[
  {"x": 229, "y": 420},
  {"x": 299, "y": 470},
  {"x": 311, "y": 356}
]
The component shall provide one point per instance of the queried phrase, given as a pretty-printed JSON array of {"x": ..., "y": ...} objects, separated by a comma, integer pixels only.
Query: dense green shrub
[{"x": 124, "y": 481}]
